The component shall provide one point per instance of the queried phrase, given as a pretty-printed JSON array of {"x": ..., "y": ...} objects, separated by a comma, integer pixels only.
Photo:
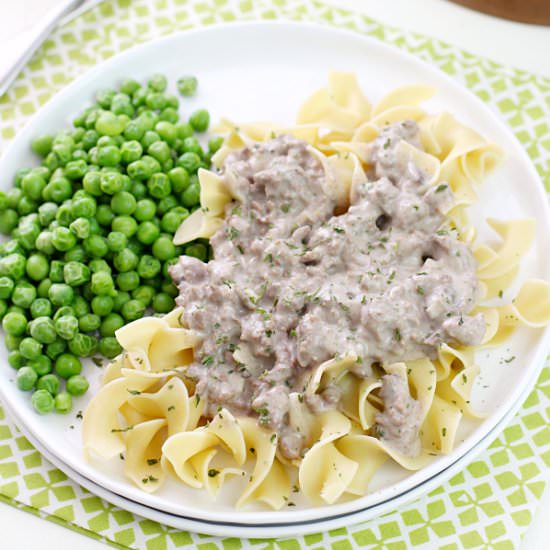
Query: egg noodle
[{"x": 148, "y": 414}]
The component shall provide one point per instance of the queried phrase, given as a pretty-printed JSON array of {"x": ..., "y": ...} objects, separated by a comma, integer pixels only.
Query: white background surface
[{"x": 523, "y": 46}]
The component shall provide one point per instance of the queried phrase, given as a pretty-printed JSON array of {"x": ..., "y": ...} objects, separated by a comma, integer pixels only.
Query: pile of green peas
[{"x": 91, "y": 233}]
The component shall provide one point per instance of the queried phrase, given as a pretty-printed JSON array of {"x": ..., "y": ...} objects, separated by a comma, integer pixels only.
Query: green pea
[
  {"x": 76, "y": 273},
  {"x": 125, "y": 260},
  {"x": 89, "y": 322},
  {"x": 42, "y": 401},
  {"x": 138, "y": 190},
  {"x": 84, "y": 207},
  {"x": 124, "y": 224},
  {"x": 153, "y": 165},
  {"x": 157, "y": 83},
  {"x": 127, "y": 281},
  {"x": 159, "y": 150},
  {"x": 168, "y": 287},
  {"x": 129, "y": 86},
  {"x": 148, "y": 267},
  {"x": 190, "y": 161},
  {"x": 11, "y": 247},
  {"x": 166, "y": 204},
  {"x": 155, "y": 101},
  {"x": 104, "y": 215},
  {"x": 56, "y": 271},
  {"x": 111, "y": 323},
  {"x": 149, "y": 138},
  {"x": 83, "y": 345},
  {"x": 191, "y": 196},
  {"x": 64, "y": 216},
  {"x": 48, "y": 382},
  {"x": 75, "y": 169},
  {"x": 56, "y": 348},
  {"x": 44, "y": 242},
  {"x": 91, "y": 183},
  {"x": 63, "y": 403},
  {"x": 58, "y": 190},
  {"x": 8, "y": 220},
  {"x": 197, "y": 250},
  {"x": 77, "y": 385},
  {"x": 200, "y": 120},
  {"x": 41, "y": 365},
  {"x": 13, "y": 196},
  {"x": 67, "y": 365},
  {"x": 61, "y": 294},
  {"x": 111, "y": 182},
  {"x": 33, "y": 185},
  {"x": 163, "y": 248},
  {"x": 214, "y": 144},
  {"x": 120, "y": 299},
  {"x": 139, "y": 170},
  {"x": 15, "y": 359},
  {"x": 163, "y": 303},
  {"x": 102, "y": 305},
  {"x": 179, "y": 178},
  {"x": 102, "y": 283},
  {"x": 66, "y": 327},
  {"x": 30, "y": 348},
  {"x": 145, "y": 210},
  {"x": 173, "y": 219},
  {"x": 104, "y": 97},
  {"x": 14, "y": 323},
  {"x": 167, "y": 131},
  {"x": 42, "y": 329},
  {"x": 122, "y": 105},
  {"x": 147, "y": 232},
  {"x": 80, "y": 227},
  {"x": 41, "y": 307},
  {"x": 80, "y": 306},
  {"x": 108, "y": 124},
  {"x": 26, "y": 378},
  {"x": 109, "y": 155},
  {"x": 99, "y": 265},
  {"x": 96, "y": 246},
  {"x": 89, "y": 139},
  {"x": 144, "y": 294},
  {"x": 13, "y": 266},
  {"x": 42, "y": 145},
  {"x": 131, "y": 151},
  {"x": 37, "y": 267},
  {"x": 109, "y": 347},
  {"x": 132, "y": 310},
  {"x": 6, "y": 287},
  {"x": 43, "y": 288},
  {"x": 159, "y": 186},
  {"x": 135, "y": 246},
  {"x": 187, "y": 85},
  {"x": 63, "y": 239},
  {"x": 123, "y": 203},
  {"x": 184, "y": 130}
]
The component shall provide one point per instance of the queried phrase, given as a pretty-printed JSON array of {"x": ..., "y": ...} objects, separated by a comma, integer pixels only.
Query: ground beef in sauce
[{"x": 292, "y": 285}]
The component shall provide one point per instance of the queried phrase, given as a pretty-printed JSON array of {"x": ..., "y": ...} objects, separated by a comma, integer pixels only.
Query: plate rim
[{"x": 267, "y": 517}]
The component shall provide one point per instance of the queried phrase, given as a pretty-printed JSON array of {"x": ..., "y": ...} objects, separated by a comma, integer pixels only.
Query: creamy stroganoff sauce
[{"x": 292, "y": 284}]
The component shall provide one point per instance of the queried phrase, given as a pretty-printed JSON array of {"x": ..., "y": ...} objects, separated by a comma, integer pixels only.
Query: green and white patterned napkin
[{"x": 492, "y": 501}]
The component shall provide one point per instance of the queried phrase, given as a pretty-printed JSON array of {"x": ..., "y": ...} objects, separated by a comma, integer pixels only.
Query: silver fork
[{"x": 61, "y": 14}]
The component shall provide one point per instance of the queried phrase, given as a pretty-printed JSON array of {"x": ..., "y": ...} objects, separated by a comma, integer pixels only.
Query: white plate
[
  {"x": 283, "y": 529},
  {"x": 264, "y": 71}
]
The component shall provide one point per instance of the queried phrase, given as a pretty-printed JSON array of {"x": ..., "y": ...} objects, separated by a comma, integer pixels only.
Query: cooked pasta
[{"x": 150, "y": 412}]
